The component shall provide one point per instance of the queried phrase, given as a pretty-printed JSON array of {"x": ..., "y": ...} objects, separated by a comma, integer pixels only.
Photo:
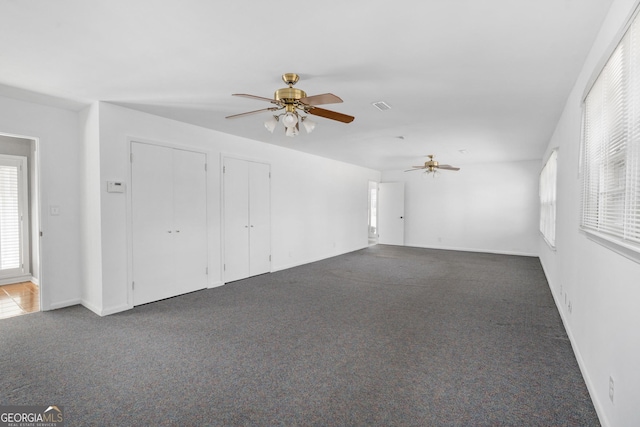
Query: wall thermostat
[{"x": 115, "y": 187}]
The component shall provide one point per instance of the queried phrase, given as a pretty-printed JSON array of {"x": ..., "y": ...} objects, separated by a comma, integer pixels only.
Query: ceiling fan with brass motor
[
  {"x": 431, "y": 166},
  {"x": 294, "y": 102}
]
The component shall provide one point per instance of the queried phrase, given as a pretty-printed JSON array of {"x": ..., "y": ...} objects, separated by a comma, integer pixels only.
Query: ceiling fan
[
  {"x": 431, "y": 166},
  {"x": 294, "y": 102}
]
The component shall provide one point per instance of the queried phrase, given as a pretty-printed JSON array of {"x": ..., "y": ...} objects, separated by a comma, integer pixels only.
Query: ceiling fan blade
[
  {"x": 248, "y": 113},
  {"x": 325, "y": 98},
  {"x": 328, "y": 114},
  {"x": 418, "y": 169},
  {"x": 260, "y": 98},
  {"x": 448, "y": 167}
]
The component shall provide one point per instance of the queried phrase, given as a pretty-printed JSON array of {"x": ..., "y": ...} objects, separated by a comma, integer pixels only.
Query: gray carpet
[{"x": 387, "y": 335}]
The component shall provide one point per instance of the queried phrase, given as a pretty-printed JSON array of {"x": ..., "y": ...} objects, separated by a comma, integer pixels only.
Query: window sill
[
  {"x": 551, "y": 246},
  {"x": 627, "y": 250}
]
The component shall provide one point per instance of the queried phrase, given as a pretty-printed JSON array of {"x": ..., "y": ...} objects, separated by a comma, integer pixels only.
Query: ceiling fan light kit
[{"x": 295, "y": 101}]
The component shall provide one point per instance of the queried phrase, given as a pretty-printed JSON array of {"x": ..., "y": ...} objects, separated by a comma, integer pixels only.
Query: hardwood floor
[{"x": 18, "y": 299}]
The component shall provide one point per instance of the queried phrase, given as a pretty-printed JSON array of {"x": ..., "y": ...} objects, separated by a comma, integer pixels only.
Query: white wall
[
  {"x": 482, "y": 208},
  {"x": 90, "y": 228},
  {"x": 601, "y": 287},
  {"x": 318, "y": 207},
  {"x": 56, "y": 133}
]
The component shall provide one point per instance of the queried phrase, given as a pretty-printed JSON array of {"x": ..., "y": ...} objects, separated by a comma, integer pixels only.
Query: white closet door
[
  {"x": 259, "y": 219},
  {"x": 169, "y": 213},
  {"x": 236, "y": 219},
  {"x": 190, "y": 221},
  {"x": 391, "y": 213},
  {"x": 152, "y": 211}
]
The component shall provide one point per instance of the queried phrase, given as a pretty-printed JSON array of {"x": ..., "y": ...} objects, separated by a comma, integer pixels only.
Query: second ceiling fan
[
  {"x": 430, "y": 166},
  {"x": 294, "y": 102}
]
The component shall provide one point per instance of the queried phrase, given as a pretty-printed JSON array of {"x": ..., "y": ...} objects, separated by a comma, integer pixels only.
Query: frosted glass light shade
[
  {"x": 309, "y": 124},
  {"x": 289, "y": 120},
  {"x": 271, "y": 123},
  {"x": 292, "y": 131}
]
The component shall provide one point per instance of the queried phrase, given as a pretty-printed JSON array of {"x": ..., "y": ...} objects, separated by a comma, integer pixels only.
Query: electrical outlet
[{"x": 611, "y": 389}]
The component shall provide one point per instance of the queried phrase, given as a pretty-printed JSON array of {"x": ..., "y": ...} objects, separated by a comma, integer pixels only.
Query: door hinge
[
  {"x": 269, "y": 257},
  {"x": 224, "y": 267},
  {"x": 224, "y": 169},
  {"x": 133, "y": 285},
  {"x": 205, "y": 167},
  {"x": 131, "y": 157},
  {"x": 41, "y": 234},
  {"x": 269, "y": 174}
]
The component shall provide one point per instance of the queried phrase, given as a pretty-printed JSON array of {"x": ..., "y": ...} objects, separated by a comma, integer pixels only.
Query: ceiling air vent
[{"x": 382, "y": 106}]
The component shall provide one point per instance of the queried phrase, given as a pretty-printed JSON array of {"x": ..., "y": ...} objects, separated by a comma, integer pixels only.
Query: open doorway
[
  {"x": 19, "y": 227},
  {"x": 373, "y": 213}
]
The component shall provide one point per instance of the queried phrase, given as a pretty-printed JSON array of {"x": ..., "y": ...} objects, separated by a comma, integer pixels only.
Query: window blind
[
  {"x": 548, "y": 178},
  {"x": 611, "y": 145},
  {"x": 9, "y": 218}
]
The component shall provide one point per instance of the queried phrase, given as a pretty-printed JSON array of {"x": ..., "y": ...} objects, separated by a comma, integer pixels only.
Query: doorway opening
[
  {"x": 19, "y": 227},
  {"x": 373, "y": 213}
]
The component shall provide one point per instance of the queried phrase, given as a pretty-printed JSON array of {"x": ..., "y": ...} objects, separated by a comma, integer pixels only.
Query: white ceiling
[{"x": 487, "y": 76}]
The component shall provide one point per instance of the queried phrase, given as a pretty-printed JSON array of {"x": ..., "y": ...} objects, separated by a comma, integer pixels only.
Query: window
[
  {"x": 548, "y": 178},
  {"x": 611, "y": 148},
  {"x": 12, "y": 227}
]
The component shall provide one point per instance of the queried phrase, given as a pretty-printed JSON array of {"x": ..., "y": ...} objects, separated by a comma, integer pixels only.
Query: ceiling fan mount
[
  {"x": 295, "y": 102},
  {"x": 290, "y": 78}
]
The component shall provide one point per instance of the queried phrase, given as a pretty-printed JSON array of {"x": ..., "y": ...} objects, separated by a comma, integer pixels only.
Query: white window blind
[
  {"x": 611, "y": 146},
  {"x": 548, "y": 178},
  {"x": 9, "y": 218}
]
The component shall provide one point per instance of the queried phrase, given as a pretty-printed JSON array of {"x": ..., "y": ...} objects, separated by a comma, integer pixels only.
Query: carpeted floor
[{"x": 389, "y": 336}]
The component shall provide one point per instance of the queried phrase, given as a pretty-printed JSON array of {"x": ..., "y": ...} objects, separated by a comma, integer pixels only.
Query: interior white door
[
  {"x": 190, "y": 220},
  {"x": 236, "y": 219},
  {"x": 247, "y": 219},
  {"x": 152, "y": 212},
  {"x": 169, "y": 225},
  {"x": 391, "y": 213},
  {"x": 259, "y": 218}
]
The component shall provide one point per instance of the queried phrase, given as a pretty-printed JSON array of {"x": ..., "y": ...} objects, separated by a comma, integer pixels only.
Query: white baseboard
[
  {"x": 90, "y": 306},
  {"x": 16, "y": 279},
  {"x": 576, "y": 351},
  {"x": 315, "y": 259},
  {"x": 479, "y": 250},
  {"x": 63, "y": 304},
  {"x": 35, "y": 281},
  {"x": 105, "y": 311}
]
